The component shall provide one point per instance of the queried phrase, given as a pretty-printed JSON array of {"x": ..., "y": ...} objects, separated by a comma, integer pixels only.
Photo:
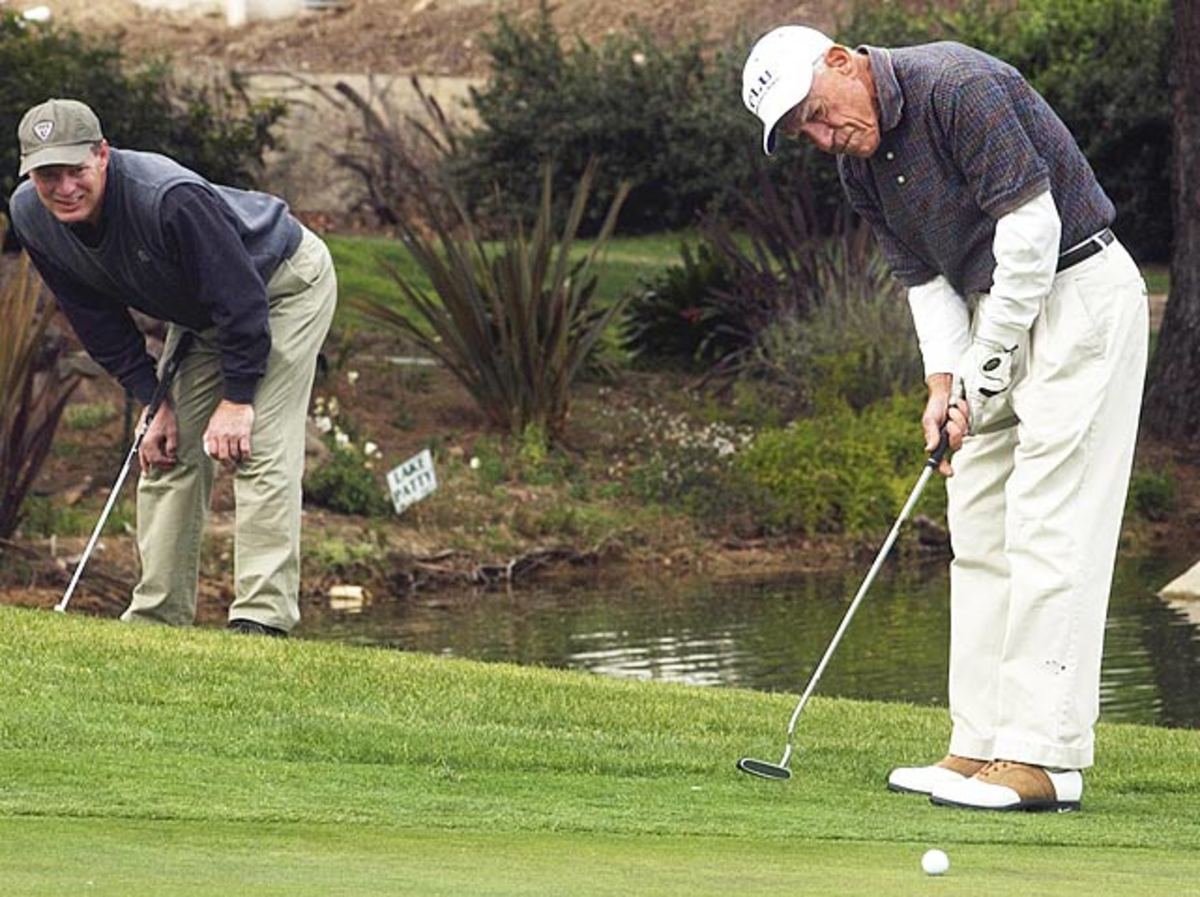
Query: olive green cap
[{"x": 57, "y": 132}]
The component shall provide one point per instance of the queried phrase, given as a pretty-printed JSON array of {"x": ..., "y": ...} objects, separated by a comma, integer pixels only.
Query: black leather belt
[{"x": 1086, "y": 249}]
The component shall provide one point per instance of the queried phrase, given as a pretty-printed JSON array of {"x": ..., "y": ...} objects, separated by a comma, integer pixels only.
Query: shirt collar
[{"x": 887, "y": 88}]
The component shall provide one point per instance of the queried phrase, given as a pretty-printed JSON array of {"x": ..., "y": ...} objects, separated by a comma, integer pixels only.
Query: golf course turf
[{"x": 140, "y": 760}]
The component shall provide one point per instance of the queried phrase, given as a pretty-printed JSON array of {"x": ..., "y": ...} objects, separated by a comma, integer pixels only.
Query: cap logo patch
[{"x": 43, "y": 130}]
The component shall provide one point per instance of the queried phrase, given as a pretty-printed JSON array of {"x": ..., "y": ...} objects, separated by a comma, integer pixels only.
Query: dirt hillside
[{"x": 400, "y": 36}]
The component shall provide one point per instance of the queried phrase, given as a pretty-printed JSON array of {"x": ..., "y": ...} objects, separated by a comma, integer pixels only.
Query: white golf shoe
[
  {"x": 1006, "y": 785},
  {"x": 924, "y": 779}
]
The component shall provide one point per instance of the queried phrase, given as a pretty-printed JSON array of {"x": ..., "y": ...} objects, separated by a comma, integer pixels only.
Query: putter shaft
[
  {"x": 160, "y": 394},
  {"x": 780, "y": 770}
]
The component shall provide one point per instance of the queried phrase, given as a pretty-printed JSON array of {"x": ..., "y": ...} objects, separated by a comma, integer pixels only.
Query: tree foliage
[{"x": 668, "y": 118}]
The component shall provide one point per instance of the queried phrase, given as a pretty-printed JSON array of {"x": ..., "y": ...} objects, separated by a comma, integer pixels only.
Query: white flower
[
  {"x": 639, "y": 58},
  {"x": 341, "y": 439},
  {"x": 370, "y": 449},
  {"x": 475, "y": 463},
  {"x": 352, "y": 377},
  {"x": 324, "y": 422}
]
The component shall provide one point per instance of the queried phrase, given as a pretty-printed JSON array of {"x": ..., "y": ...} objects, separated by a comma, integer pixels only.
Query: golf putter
[
  {"x": 160, "y": 393},
  {"x": 781, "y": 770}
]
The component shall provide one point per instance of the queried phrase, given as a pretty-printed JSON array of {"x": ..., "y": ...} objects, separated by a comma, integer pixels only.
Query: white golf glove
[{"x": 985, "y": 375}]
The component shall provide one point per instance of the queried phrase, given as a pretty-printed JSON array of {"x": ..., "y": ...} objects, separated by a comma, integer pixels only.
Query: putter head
[{"x": 763, "y": 769}]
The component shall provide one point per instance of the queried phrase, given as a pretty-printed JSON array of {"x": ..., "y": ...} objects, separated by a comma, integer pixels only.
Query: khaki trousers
[
  {"x": 1035, "y": 513},
  {"x": 172, "y": 505}
]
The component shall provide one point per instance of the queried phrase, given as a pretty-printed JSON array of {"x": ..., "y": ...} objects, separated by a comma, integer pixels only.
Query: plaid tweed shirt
[{"x": 964, "y": 140}]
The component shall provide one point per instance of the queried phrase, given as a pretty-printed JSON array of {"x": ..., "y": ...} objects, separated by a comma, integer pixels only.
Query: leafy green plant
[
  {"x": 335, "y": 555},
  {"x": 677, "y": 317},
  {"x": 663, "y": 115},
  {"x": 515, "y": 323},
  {"x": 345, "y": 484},
  {"x": 1152, "y": 493},
  {"x": 842, "y": 472},
  {"x": 813, "y": 317},
  {"x": 35, "y": 391}
]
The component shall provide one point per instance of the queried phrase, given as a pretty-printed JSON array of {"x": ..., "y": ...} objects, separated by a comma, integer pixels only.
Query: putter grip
[
  {"x": 940, "y": 452},
  {"x": 168, "y": 374}
]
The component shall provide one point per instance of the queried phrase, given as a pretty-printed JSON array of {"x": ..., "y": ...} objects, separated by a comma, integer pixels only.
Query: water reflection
[{"x": 770, "y": 634}]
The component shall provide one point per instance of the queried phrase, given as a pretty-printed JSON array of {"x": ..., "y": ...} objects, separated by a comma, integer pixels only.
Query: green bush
[
  {"x": 666, "y": 117},
  {"x": 816, "y": 319},
  {"x": 213, "y": 129},
  {"x": 678, "y": 316},
  {"x": 1102, "y": 64},
  {"x": 345, "y": 484},
  {"x": 42, "y": 517},
  {"x": 843, "y": 472},
  {"x": 1152, "y": 494}
]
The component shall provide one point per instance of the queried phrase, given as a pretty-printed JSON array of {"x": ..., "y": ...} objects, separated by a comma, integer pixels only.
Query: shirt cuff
[
  {"x": 240, "y": 389},
  {"x": 942, "y": 324}
]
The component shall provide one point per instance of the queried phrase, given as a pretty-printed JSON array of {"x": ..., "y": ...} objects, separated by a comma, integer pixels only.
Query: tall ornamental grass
[
  {"x": 35, "y": 391},
  {"x": 514, "y": 320}
]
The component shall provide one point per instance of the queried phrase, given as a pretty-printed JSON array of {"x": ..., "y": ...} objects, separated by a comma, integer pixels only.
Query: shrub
[
  {"x": 691, "y": 466},
  {"x": 1152, "y": 494},
  {"x": 815, "y": 318},
  {"x": 667, "y": 117},
  {"x": 347, "y": 485},
  {"x": 515, "y": 324},
  {"x": 213, "y": 129},
  {"x": 35, "y": 390},
  {"x": 678, "y": 317},
  {"x": 1102, "y": 64},
  {"x": 843, "y": 472}
]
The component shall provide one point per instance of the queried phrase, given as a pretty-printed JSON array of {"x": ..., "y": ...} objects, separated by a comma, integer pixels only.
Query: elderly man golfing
[
  {"x": 1032, "y": 322},
  {"x": 112, "y": 229}
]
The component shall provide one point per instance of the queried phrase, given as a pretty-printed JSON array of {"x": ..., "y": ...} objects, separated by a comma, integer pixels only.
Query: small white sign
[{"x": 412, "y": 481}]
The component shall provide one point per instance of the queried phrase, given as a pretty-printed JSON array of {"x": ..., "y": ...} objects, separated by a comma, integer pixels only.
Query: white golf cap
[{"x": 778, "y": 74}]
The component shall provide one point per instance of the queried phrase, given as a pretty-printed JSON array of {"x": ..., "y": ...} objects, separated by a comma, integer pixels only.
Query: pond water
[{"x": 769, "y": 634}]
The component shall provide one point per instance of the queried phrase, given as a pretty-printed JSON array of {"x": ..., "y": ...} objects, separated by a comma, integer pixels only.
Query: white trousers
[{"x": 1035, "y": 514}]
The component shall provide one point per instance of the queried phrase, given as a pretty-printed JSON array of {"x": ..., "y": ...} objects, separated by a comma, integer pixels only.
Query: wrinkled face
[
  {"x": 73, "y": 193},
  {"x": 839, "y": 115}
]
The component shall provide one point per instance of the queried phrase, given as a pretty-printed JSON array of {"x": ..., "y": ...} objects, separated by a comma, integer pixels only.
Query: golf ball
[{"x": 935, "y": 862}]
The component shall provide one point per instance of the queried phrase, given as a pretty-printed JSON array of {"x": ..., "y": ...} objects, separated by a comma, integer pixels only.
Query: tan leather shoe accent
[
  {"x": 1031, "y": 783},
  {"x": 964, "y": 766},
  {"x": 1008, "y": 785}
]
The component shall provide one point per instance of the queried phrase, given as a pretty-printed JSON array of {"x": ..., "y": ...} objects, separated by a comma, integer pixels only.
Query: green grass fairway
[{"x": 138, "y": 760}]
